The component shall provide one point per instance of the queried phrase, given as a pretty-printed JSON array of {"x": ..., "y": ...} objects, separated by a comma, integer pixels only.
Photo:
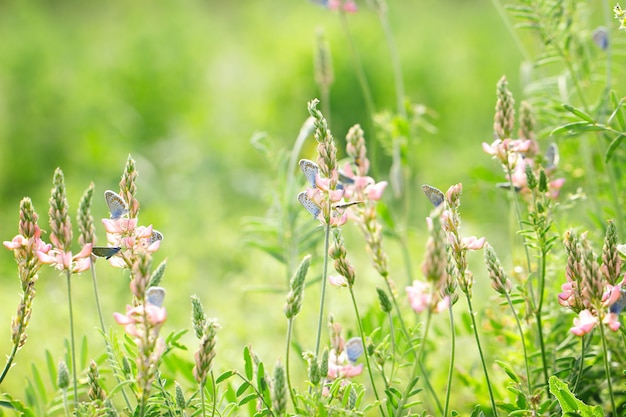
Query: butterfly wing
[
  {"x": 433, "y": 194},
  {"x": 105, "y": 251},
  {"x": 309, "y": 205},
  {"x": 310, "y": 170},
  {"x": 117, "y": 205},
  {"x": 354, "y": 348}
]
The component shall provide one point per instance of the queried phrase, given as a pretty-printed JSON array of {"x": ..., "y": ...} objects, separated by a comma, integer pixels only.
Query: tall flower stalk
[
  {"x": 25, "y": 247},
  {"x": 61, "y": 255}
]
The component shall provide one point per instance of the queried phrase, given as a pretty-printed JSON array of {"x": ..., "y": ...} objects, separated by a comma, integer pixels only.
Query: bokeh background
[{"x": 182, "y": 86}]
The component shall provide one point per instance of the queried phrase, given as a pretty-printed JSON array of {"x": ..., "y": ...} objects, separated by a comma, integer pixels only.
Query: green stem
[
  {"x": 287, "y": 362},
  {"x": 394, "y": 58},
  {"x": 451, "y": 365},
  {"x": 68, "y": 275},
  {"x": 523, "y": 339},
  {"x": 214, "y": 389},
  {"x": 109, "y": 349},
  {"x": 581, "y": 368},
  {"x": 10, "y": 359},
  {"x": 323, "y": 295},
  {"x": 202, "y": 405},
  {"x": 416, "y": 355},
  {"x": 480, "y": 352},
  {"x": 367, "y": 361},
  {"x": 607, "y": 369}
]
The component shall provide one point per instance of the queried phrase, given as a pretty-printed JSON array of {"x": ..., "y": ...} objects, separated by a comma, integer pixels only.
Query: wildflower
[
  {"x": 133, "y": 320},
  {"x": 64, "y": 261},
  {"x": 620, "y": 15},
  {"x": 584, "y": 323},
  {"x": 589, "y": 291},
  {"x": 341, "y": 363},
  {"x": 206, "y": 352},
  {"x": 422, "y": 297}
]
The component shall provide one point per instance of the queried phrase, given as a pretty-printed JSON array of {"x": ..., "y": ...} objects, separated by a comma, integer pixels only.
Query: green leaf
[
  {"x": 509, "y": 371},
  {"x": 617, "y": 113},
  {"x": 612, "y": 147},
  {"x": 581, "y": 114},
  {"x": 224, "y": 376},
  {"x": 246, "y": 399},
  {"x": 575, "y": 127},
  {"x": 243, "y": 387},
  {"x": 569, "y": 403},
  {"x": 247, "y": 357}
]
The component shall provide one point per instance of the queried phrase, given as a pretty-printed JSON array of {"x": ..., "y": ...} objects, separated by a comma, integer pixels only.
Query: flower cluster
[
  {"x": 433, "y": 293},
  {"x": 348, "y": 6},
  {"x": 592, "y": 290},
  {"x": 61, "y": 255},
  {"x": 343, "y": 355},
  {"x": 518, "y": 156},
  {"x": 324, "y": 197}
]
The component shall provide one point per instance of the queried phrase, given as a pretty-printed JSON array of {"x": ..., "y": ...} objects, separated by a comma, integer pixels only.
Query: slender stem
[
  {"x": 65, "y": 405},
  {"x": 10, "y": 360},
  {"x": 416, "y": 356},
  {"x": 202, "y": 405},
  {"x": 480, "y": 352},
  {"x": 581, "y": 368},
  {"x": 607, "y": 369},
  {"x": 521, "y": 334},
  {"x": 214, "y": 388},
  {"x": 394, "y": 57},
  {"x": 68, "y": 275},
  {"x": 323, "y": 295},
  {"x": 367, "y": 360},
  {"x": 287, "y": 362},
  {"x": 451, "y": 365},
  {"x": 109, "y": 349}
]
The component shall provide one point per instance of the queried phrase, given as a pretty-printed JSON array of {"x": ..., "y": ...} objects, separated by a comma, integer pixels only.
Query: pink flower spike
[
  {"x": 584, "y": 323},
  {"x": 419, "y": 298},
  {"x": 120, "y": 225},
  {"x": 350, "y": 7}
]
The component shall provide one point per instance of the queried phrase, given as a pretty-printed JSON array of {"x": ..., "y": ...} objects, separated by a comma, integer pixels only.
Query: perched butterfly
[
  {"x": 354, "y": 349},
  {"x": 155, "y": 296},
  {"x": 309, "y": 205},
  {"x": 435, "y": 195},
  {"x": 105, "y": 251},
  {"x": 346, "y": 204},
  {"x": 117, "y": 205},
  {"x": 310, "y": 170},
  {"x": 344, "y": 179},
  {"x": 507, "y": 186},
  {"x": 156, "y": 235},
  {"x": 552, "y": 156},
  {"x": 619, "y": 305},
  {"x": 600, "y": 37}
]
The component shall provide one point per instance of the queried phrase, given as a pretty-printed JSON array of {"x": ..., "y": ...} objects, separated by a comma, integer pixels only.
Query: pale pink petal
[
  {"x": 337, "y": 281},
  {"x": 584, "y": 323},
  {"x": 612, "y": 321},
  {"x": 375, "y": 192}
]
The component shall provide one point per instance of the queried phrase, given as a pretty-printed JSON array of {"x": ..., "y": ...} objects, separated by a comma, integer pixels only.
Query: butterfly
[
  {"x": 552, "y": 156},
  {"x": 309, "y": 205},
  {"x": 155, "y": 296},
  {"x": 105, "y": 251},
  {"x": 619, "y": 305},
  {"x": 354, "y": 349},
  {"x": 155, "y": 236},
  {"x": 310, "y": 170},
  {"x": 600, "y": 37},
  {"x": 346, "y": 204},
  {"x": 117, "y": 205},
  {"x": 435, "y": 195}
]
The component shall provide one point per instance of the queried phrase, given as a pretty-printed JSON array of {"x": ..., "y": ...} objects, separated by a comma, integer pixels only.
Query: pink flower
[
  {"x": 472, "y": 243},
  {"x": 584, "y": 323},
  {"x": 65, "y": 261},
  {"x": 340, "y": 366},
  {"x": 135, "y": 316},
  {"x": 375, "y": 192},
  {"x": 419, "y": 296},
  {"x": 337, "y": 281},
  {"x": 612, "y": 321}
]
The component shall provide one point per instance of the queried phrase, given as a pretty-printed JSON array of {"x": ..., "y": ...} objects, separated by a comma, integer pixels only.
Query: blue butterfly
[
  {"x": 309, "y": 205},
  {"x": 354, "y": 349},
  {"x": 310, "y": 170},
  {"x": 619, "y": 305},
  {"x": 155, "y": 296},
  {"x": 435, "y": 195},
  {"x": 156, "y": 235},
  {"x": 117, "y": 205},
  {"x": 105, "y": 251}
]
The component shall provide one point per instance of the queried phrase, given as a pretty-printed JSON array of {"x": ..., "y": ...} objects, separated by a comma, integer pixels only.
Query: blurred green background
[{"x": 182, "y": 86}]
